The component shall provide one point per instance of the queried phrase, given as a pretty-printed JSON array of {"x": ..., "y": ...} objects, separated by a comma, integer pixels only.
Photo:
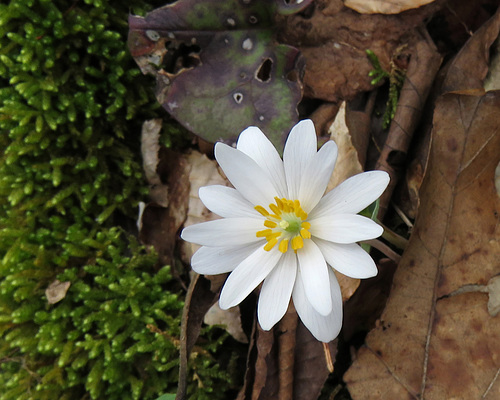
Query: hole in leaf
[
  {"x": 180, "y": 56},
  {"x": 264, "y": 71},
  {"x": 238, "y": 98}
]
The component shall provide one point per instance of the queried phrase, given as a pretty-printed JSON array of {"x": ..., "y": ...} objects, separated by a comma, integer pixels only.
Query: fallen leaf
[
  {"x": 471, "y": 65},
  {"x": 347, "y": 163},
  {"x": 229, "y": 319},
  {"x": 203, "y": 172},
  {"x": 163, "y": 216},
  {"x": 435, "y": 341},
  {"x": 218, "y": 67},
  {"x": 199, "y": 298},
  {"x": 150, "y": 149},
  {"x": 56, "y": 291},
  {"x": 333, "y": 40},
  {"x": 346, "y": 166},
  {"x": 422, "y": 69},
  {"x": 366, "y": 305},
  {"x": 287, "y": 363},
  {"x": 384, "y": 6}
]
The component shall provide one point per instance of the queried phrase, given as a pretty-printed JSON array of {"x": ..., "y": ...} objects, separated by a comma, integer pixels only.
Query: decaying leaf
[
  {"x": 204, "y": 172},
  {"x": 199, "y": 298},
  {"x": 347, "y": 163},
  {"x": 56, "y": 291},
  {"x": 384, "y": 6},
  {"x": 435, "y": 341},
  {"x": 424, "y": 64},
  {"x": 229, "y": 319},
  {"x": 471, "y": 65},
  {"x": 218, "y": 67},
  {"x": 287, "y": 363},
  {"x": 333, "y": 40},
  {"x": 167, "y": 174},
  {"x": 346, "y": 166}
]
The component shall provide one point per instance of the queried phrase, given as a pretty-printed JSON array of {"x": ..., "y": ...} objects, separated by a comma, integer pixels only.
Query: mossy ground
[{"x": 72, "y": 103}]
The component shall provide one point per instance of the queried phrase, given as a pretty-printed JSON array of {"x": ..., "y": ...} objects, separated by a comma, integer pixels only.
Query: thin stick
[{"x": 328, "y": 357}]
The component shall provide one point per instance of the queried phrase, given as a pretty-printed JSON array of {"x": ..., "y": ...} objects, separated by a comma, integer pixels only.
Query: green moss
[{"x": 71, "y": 107}]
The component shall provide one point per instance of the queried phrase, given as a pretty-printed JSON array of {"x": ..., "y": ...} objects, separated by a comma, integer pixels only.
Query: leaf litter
[{"x": 438, "y": 333}]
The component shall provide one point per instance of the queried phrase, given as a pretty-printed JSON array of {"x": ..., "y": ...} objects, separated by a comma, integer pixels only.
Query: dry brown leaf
[
  {"x": 229, "y": 319},
  {"x": 384, "y": 6},
  {"x": 470, "y": 66},
  {"x": 346, "y": 166},
  {"x": 423, "y": 67},
  {"x": 56, "y": 291},
  {"x": 278, "y": 355},
  {"x": 162, "y": 218},
  {"x": 150, "y": 149},
  {"x": 436, "y": 340},
  {"x": 366, "y": 305},
  {"x": 204, "y": 172},
  {"x": 199, "y": 298},
  {"x": 334, "y": 39}
]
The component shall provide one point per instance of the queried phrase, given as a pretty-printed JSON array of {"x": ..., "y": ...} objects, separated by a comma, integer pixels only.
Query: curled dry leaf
[
  {"x": 346, "y": 166},
  {"x": 436, "y": 341},
  {"x": 56, "y": 291},
  {"x": 230, "y": 319},
  {"x": 423, "y": 67},
  {"x": 203, "y": 172},
  {"x": 162, "y": 217},
  {"x": 384, "y": 6}
]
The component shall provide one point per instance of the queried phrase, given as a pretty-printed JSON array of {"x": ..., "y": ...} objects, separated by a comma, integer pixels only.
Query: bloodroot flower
[{"x": 279, "y": 229}]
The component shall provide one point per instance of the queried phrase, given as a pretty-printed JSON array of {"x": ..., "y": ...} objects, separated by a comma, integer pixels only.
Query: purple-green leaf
[{"x": 218, "y": 66}]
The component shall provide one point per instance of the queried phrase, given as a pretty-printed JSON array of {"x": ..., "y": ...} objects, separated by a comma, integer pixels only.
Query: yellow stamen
[
  {"x": 283, "y": 246},
  {"x": 264, "y": 233},
  {"x": 275, "y": 209},
  {"x": 270, "y": 244},
  {"x": 270, "y": 224},
  {"x": 305, "y": 233},
  {"x": 262, "y": 210},
  {"x": 273, "y": 235},
  {"x": 297, "y": 242},
  {"x": 286, "y": 206},
  {"x": 306, "y": 225}
]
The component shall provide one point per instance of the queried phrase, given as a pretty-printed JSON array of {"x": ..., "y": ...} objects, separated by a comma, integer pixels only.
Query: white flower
[{"x": 277, "y": 228}]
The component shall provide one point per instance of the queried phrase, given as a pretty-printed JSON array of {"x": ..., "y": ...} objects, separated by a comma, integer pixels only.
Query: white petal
[
  {"x": 323, "y": 328},
  {"x": 226, "y": 202},
  {"x": 276, "y": 291},
  {"x": 314, "y": 272},
  {"x": 219, "y": 260},
  {"x": 317, "y": 175},
  {"x": 247, "y": 177},
  {"x": 345, "y": 228},
  {"x": 224, "y": 232},
  {"x": 348, "y": 259},
  {"x": 352, "y": 195},
  {"x": 247, "y": 276},
  {"x": 257, "y": 146},
  {"x": 300, "y": 148}
]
